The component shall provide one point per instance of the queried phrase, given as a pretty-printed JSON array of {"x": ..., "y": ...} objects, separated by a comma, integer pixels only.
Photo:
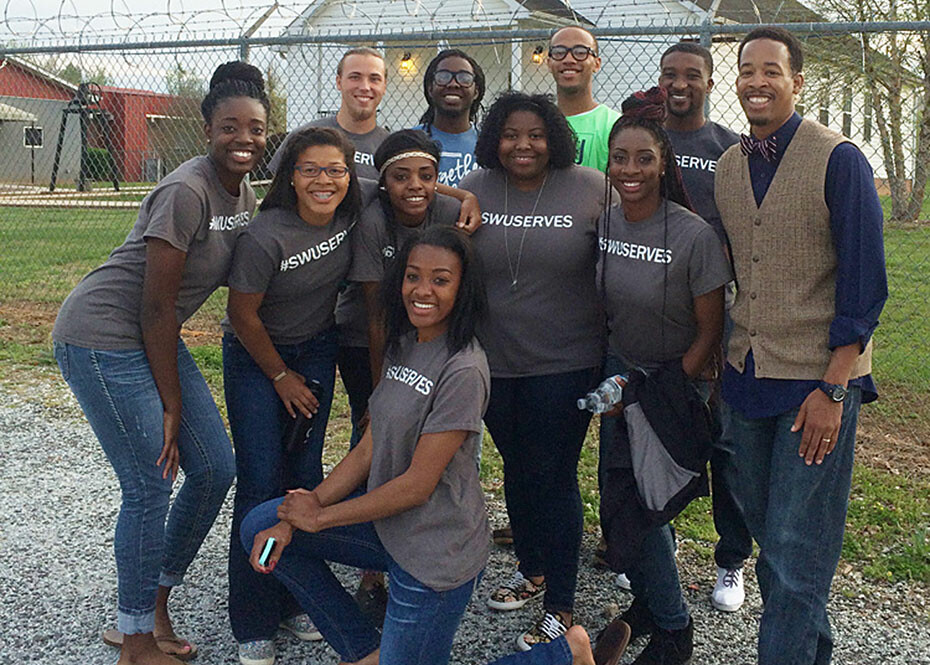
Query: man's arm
[{"x": 861, "y": 290}]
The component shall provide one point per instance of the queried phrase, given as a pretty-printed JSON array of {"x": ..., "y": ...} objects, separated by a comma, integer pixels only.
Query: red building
[{"x": 146, "y": 133}]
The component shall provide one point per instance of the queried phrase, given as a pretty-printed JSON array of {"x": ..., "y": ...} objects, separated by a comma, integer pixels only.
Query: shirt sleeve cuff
[{"x": 845, "y": 330}]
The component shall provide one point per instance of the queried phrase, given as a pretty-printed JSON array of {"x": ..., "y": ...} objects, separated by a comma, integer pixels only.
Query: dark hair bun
[
  {"x": 649, "y": 105},
  {"x": 237, "y": 71}
]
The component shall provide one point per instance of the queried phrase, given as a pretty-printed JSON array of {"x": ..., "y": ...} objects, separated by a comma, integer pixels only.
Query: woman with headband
[{"x": 661, "y": 272}]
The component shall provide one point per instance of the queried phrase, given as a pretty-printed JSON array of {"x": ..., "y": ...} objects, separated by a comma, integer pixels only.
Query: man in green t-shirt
[{"x": 573, "y": 61}]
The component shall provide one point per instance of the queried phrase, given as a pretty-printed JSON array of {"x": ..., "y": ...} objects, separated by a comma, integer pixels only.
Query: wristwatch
[{"x": 834, "y": 391}]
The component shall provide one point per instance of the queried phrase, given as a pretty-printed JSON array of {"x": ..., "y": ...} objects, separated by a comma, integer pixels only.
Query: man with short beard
[
  {"x": 573, "y": 61},
  {"x": 361, "y": 78},
  {"x": 686, "y": 71},
  {"x": 799, "y": 206}
]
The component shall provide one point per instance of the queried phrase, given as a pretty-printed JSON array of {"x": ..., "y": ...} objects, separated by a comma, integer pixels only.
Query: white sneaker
[
  {"x": 729, "y": 594},
  {"x": 256, "y": 652},
  {"x": 624, "y": 582}
]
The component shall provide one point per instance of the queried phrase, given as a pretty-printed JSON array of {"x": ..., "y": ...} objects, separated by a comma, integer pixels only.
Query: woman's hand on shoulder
[
  {"x": 296, "y": 396},
  {"x": 301, "y": 509}
]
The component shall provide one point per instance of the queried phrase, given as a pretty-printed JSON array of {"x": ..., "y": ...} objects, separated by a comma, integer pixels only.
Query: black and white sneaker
[{"x": 549, "y": 627}]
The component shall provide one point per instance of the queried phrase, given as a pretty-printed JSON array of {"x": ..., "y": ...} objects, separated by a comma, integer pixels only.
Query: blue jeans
[
  {"x": 539, "y": 431},
  {"x": 355, "y": 370},
  {"x": 654, "y": 576},
  {"x": 121, "y": 401},
  {"x": 735, "y": 543},
  {"x": 420, "y": 623},
  {"x": 555, "y": 652},
  {"x": 257, "y": 603},
  {"x": 797, "y": 514}
]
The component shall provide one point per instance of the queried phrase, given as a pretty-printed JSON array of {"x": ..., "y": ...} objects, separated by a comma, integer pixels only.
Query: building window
[
  {"x": 32, "y": 137},
  {"x": 847, "y": 112},
  {"x": 824, "y": 116}
]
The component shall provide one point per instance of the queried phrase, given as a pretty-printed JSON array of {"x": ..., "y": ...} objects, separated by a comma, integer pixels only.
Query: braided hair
[{"x": 234, "y": 79}]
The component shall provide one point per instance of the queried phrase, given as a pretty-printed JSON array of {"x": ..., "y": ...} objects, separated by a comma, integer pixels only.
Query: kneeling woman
[
  {"x": 423, "y": 517},
  {"x": 664, "y": 305}
]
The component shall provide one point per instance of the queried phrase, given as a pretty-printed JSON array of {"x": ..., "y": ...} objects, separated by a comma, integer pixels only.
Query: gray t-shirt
[
  {"x": 365, "y": 146},
  {"x": 191, "y": 211},
  {"x": 643, "y": 263},
  {"x": 425, "y": 390},
  {"x": 373, "y": 248},
  {"x": 297, "y": 266},
  {"x": 551, "y": 321},
  {"x": 697, "y": 153}
]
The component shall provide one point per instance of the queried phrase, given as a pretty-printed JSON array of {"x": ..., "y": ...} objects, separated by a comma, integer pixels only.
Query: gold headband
[{"x": 405, "y": 155}]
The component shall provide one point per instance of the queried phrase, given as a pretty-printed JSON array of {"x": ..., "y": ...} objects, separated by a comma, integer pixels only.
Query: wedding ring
[{"x": 827, "y": 440}]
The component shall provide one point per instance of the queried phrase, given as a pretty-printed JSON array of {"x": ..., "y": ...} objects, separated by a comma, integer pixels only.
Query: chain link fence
[{"x": 86, "y": 131}]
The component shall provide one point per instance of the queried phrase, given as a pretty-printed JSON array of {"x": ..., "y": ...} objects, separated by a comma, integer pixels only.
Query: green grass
[
  {"x": 44, "y": 252},
  {"x": 924, "y": 209}
]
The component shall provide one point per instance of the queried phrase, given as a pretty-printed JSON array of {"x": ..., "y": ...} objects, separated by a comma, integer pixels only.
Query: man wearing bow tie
[{"x": 799, "y": 205}]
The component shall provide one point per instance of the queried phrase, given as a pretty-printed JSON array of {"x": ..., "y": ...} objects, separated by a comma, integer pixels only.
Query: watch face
[{"x": 835, "y": 392}]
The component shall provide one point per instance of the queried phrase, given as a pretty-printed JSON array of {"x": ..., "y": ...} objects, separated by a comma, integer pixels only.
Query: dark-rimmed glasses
[
  {"x": 314, "y": 171},
  {"x": 462, "y": 77},
  {"x": 579, "y": 52}
]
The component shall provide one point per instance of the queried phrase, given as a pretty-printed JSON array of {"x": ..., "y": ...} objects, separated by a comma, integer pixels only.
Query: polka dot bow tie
[{"x": 765, "y": 147}]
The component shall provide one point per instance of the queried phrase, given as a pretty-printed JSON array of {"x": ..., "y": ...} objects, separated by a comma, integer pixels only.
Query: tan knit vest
[{"x": 784, "y": 259}]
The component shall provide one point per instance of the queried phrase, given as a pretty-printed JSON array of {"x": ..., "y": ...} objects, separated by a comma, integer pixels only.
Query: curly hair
[
  {"x": 471, "y": 301},
  {"x": 559, "y": 135},
  {"x": 430, "y": 114},
  {"x": 281, "y": 194},
  {"x": 234, "y": 79}
]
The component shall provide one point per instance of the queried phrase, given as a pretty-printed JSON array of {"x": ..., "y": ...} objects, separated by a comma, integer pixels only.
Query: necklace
[{"x": 515, "y": 269}]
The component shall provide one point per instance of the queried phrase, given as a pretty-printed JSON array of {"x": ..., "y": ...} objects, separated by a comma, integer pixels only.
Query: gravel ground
[{"x": 58, "y": 585}]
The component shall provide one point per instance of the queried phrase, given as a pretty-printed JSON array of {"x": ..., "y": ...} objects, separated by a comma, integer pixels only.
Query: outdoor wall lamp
[{"x": 538, "y": 54}]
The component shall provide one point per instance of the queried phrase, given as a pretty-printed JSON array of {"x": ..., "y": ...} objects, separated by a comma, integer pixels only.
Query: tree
[
  {"x": 186, "y": 84},
  {"x": 277, "y": 118},
  {"x": 893, "y": 66},
  {"x": 73, "y": 74}
]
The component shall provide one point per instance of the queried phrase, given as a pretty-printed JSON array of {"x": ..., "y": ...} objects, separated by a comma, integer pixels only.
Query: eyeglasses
[
  {"x": 444, "y": 77},
  {"x": 314, "y": 171},
  {"x": 579, "y": 52}
]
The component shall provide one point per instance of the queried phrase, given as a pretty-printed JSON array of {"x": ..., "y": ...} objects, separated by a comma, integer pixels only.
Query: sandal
[
  {"x": 169, "y": 644},
  {"x": 502, "y": 536},
  {"x": 516, "y": 593}
]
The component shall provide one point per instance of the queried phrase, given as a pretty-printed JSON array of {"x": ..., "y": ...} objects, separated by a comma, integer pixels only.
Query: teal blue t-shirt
[{"x": 458, "y": 154}]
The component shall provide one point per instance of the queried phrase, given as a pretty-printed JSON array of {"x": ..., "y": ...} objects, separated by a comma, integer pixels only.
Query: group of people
[{"x": 464, "y": 275}]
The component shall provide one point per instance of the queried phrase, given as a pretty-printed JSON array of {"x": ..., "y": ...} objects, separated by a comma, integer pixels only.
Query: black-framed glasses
[
  {"x": 313, "y": 171},
  {"x": 462, "y": 77},
  {"x": 579, "y": 52}
]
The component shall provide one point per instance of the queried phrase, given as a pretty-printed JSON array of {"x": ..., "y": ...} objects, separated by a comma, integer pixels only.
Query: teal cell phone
[{"x": 269, "y": 545}]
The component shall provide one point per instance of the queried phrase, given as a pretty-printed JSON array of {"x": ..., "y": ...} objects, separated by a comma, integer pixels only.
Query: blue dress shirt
[{"x": 861, "y": 286}]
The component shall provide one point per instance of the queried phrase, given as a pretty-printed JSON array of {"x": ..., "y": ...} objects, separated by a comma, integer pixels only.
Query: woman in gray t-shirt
[
  {"x": 423, "y": 517},
  {"x": 543, "y": 336},
  {"x": 118, "y": 347},
  {"x": 279, "y": 355},
  {"x": 662, "y": 271}
]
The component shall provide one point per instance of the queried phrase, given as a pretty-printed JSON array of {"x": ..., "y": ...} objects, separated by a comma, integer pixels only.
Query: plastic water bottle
[{"x": 607, "y": 395}]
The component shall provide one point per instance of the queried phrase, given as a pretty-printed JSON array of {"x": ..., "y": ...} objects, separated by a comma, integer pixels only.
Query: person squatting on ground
[
  {"x": 423, "y": 517},
  {"x": 686, "y": 71},
  {"x": 141, "y": 391},
  {"x": 799, "y": 205},
  {"x": 453, "y": 86},
  {"x": 279, "y": 339},
  {"x": 538, "y": 248},
  {"x": 661, "y": 271}
]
